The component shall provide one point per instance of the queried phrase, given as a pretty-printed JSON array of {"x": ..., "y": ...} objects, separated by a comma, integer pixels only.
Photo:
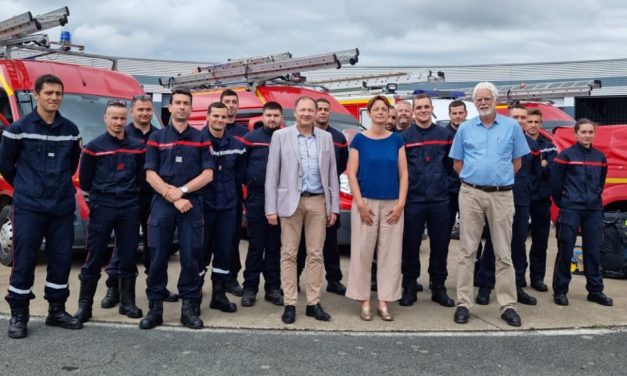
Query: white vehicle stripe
[
  {"x": 19, "y": 291},
  {"x": 36, "y": 136},
  {"x": 55, "y": 286}
]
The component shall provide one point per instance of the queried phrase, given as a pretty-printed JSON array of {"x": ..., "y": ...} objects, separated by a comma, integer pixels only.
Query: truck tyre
[{"x": 6, "y": 236}]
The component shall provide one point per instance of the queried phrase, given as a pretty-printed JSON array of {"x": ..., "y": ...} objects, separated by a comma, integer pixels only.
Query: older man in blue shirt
[{"x": 487, "y": 151}]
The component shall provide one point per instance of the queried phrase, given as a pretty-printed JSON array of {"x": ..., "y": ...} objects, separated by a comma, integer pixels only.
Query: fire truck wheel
[{"x": 6, "y": 236}]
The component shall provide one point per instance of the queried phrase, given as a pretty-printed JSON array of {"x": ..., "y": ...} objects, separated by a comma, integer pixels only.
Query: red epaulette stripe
[
  {"x": 425, "y": 143},
  {"x": 254, "y": 144},
  {"x": 112, "y": 152},
  {"x": 184, "y": 143},
  {"x": 344, "y": 145},
  {"x": 579, "y": 163}
]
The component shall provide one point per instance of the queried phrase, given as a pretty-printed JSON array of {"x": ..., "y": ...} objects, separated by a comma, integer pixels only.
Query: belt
[
  {"x": 489, "y": 188},
  {"x": 310, "y": 194}
]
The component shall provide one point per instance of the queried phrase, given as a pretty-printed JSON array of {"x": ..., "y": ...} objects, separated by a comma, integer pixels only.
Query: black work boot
[
  {"x": 57, "y": 316},
  {"x": 127, "y": 298},
  {"x": 219, "y": 299},
  {"x": 409, "y": 297},
  {"x": 112, "y": 298},
  {"x": 19, "y": 321},
  {"x": 438, "y": 295},
  {"x": 86, "y": 299},
  {"x": 154, "y": 317},
  {"x": 188, "y": 315}
]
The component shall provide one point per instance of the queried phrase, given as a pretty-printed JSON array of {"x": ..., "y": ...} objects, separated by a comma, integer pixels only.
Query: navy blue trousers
[
  {"x": 264, "y": 247},
  {"x": 236, "y": 263},
  {"x": 220, "y": 230},
  {"x": 520, "y": 227},
  {"x": 113, "y": 268},
  {"x": 436, "y": 216},
  {"x": 568, "y": 222},
  {"x": 102, "y": 220},
  {"x": 164, "y": 219},
  {"x": 29, "y": 230},
  {"x": 540, "y": 213}
]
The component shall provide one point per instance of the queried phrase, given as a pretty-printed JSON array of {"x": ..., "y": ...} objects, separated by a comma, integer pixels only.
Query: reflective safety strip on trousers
[
  {"x": 19, "y": 291},
  {"x": 220, "y": 271},
  {"x": 36, "y": 136},
  {"x": 55, "y": 286}
]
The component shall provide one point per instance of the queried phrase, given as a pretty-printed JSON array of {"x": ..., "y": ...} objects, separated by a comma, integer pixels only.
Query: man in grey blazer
[{"x": 302, "y": 189}]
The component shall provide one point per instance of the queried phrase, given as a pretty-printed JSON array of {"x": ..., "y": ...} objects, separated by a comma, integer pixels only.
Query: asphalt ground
[{"x": 424, "y": 316}]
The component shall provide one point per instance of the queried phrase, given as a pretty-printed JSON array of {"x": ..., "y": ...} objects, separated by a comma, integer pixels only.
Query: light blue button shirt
[
  {"x": 308, "y": 152},
  {"x": 487, "y": 152}
]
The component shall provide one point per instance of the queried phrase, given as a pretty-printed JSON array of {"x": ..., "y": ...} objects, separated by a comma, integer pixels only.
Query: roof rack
[
  {"x": 255, "y": 71},
  {"x": 18, "y": 33}
]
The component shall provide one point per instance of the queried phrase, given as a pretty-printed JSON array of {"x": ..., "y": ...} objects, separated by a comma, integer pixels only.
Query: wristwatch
[{"x": 184, "y": 189}]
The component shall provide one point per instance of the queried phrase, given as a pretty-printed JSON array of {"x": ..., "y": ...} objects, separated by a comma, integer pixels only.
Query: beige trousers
[
  {"x": 388, "y": 240},
  {"x": 312, "y": 213},
  {"x": 498, "y": 207}
]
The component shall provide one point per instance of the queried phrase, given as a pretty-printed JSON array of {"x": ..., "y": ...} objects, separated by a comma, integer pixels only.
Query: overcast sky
[{"x": 401, "y": 32}]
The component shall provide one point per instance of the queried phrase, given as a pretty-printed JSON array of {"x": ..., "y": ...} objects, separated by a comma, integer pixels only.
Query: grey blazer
[{"x": 284, "y": 173}]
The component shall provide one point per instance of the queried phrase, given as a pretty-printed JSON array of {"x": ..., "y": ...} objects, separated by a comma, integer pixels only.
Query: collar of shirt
[{"x": 57, "y": 119}]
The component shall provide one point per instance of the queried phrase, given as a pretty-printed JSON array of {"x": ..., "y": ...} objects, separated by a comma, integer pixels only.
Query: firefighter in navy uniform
[
  {"x": 427, "y": 146},
  {"x": 577, "y": 178},
  {"x": 264, "y": 239},
  {"x": 457, "y": 113},
  {"x": 178, "y": 165},
  {"x": 330, "y": 252},
  {"x": 220, "y": 204},
  {"x": 231, "y": 101},
  {"x": 38, "y": 155},
  {"x": 540, "y": 208},
  {"x": 139, "y": 128},
  {"x": 523, "y": 186},
  {"x": 111, "y": 172}
]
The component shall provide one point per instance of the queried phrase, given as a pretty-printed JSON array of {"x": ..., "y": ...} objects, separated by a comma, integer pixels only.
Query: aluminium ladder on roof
[
  {"x": 254, "y": 71},
  {"x": 543, "y": 90}
]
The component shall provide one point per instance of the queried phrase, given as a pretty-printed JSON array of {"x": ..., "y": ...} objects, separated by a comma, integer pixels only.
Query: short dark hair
[
  {"x": 181, "y": 92},
  {"x": 378, "y": 98},
  {"x": 456, "y": 103},
  {"x": 215, "y": 105},
  {"x": 534, "y": 112},
  {"x": 303, "y": 98},
  {"x": 516, "y": 106},
  {"x": 420, "y": 96},
  {"x": 323, "y": 100},
  {"x": 272, "y": 105},
  {"x": 141, "y": 98},
  {"x": 583, "y": 121},
  {"x": 47, "y": 79},
  {"x": 228, "y": 93},
  {"x": 120, "y": 103}
]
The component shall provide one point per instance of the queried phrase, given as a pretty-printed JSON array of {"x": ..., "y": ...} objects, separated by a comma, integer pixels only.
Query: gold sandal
[
  {"x": 385, "y": 315},
  {"x": 365, "y": 315}
]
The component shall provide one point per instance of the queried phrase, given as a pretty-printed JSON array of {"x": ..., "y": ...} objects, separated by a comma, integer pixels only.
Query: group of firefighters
[{"x": 184, "y": 182}]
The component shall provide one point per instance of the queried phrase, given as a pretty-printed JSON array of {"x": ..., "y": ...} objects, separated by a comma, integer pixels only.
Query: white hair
[{"x": 485, "y": 85}]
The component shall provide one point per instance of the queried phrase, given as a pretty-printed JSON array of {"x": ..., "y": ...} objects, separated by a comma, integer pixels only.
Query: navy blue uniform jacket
[
  {"x": 427, "y": 158},
  {"x": 112, "y": 170},
  {"x": 229, "y": 159},
  {"x": 38, "y": 160},
  {"x": 577, "y": 178}
]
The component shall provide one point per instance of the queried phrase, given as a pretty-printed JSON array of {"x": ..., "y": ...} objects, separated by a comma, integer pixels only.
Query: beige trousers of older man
[{"x": 498, "y": 207}]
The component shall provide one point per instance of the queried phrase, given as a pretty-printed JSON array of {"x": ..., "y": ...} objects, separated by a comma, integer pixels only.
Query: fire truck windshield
[{"x": 86, "y": 111}]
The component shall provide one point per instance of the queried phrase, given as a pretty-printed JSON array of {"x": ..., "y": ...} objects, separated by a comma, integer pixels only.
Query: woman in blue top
[{"x": 377, "y": 174}]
